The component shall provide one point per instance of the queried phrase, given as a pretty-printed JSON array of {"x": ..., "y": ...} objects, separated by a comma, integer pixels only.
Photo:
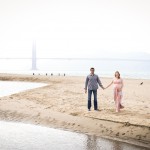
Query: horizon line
[{"x": 75, "y": 58}]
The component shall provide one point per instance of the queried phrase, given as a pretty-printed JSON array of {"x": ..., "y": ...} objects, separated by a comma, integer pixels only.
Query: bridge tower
[{"x": 34, "y": 55}]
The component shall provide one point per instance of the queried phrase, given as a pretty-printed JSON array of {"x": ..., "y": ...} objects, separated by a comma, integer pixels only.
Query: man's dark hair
[{"x": 92, "y": 68}]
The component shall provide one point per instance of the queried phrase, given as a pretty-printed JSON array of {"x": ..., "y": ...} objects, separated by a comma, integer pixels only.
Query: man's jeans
[{"x": 95, "y": 98}]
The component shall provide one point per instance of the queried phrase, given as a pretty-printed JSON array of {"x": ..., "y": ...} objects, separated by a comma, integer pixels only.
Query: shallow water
[
  {"x": 19, "y": 136},
  {"x": 11, "y": 87},
  {"x": 79, "y": 67}
]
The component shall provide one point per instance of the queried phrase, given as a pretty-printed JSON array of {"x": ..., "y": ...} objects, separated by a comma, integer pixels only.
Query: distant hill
[
  {"x": 123, "y": 55},
  {"x": 139, "y": 55}
]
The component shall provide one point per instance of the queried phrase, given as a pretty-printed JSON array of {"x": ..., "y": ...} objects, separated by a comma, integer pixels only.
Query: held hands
[
  {"x": 85, "y": 90},
  {"x": 104, "y": 88}
]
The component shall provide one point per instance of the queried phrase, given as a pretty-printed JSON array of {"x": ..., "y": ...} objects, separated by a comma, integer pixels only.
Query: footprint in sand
[
  {"x": 127, "y": 124},
  {"x": 138, "y": 136},
  {"x": 101, "y": 125},
  {"x": 117, "y": 134},
  {"x": 74, "y": 114},
  {"x": 38, "y": 114},
  {"x": 48, "y": 107},
  {"x": 111, "y": 131}
]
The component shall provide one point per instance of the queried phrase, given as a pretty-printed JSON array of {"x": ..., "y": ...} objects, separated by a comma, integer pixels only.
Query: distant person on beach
[
  {"x": 92, "y": 82},
  {"x": 117, "y": 86}
]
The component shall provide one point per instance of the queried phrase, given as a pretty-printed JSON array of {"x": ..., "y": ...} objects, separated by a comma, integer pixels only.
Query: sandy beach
[{"x": 63, "y": 104}]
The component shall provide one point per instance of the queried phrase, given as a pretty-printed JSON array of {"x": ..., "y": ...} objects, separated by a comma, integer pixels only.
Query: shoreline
[
  {"x": 54, "y": 106},
  {"x": 61, "y": 74}
]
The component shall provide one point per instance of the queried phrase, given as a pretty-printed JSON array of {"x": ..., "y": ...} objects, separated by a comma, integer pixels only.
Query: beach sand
[{"x": 63, "y": 104}]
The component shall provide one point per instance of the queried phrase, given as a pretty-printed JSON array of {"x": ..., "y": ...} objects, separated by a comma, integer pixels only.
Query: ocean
[{"x": 139, "y": 69}]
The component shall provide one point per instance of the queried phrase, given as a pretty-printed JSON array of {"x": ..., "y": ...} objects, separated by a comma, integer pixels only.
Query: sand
[{"x": 63, "y": 104}]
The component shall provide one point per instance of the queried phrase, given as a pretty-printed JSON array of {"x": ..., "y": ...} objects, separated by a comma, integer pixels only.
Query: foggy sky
[{"x": 74, "y": 28}]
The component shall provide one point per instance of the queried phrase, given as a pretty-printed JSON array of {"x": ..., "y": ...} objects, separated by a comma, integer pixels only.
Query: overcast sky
[{"x": 74, "y": 28}]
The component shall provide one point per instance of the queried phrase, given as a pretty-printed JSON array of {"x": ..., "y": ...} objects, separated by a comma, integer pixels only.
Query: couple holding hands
[{"x": 92, "y": 82}]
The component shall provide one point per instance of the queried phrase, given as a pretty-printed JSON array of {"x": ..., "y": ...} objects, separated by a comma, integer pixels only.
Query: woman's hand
[{"x": 120, "y": 89}]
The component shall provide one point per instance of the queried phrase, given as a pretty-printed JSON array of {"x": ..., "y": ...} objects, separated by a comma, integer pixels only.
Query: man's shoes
[{"x": 96, "y": 109}]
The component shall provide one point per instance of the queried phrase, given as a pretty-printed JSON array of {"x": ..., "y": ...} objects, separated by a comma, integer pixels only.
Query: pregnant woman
[{"x": 117, "y": 86}]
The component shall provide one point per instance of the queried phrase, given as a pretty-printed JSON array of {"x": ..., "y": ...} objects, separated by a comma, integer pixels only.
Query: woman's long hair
[{"x": 118, "y": 74}]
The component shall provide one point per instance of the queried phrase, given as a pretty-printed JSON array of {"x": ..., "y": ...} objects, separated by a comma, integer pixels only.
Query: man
[{"x": 92, "y": 82}]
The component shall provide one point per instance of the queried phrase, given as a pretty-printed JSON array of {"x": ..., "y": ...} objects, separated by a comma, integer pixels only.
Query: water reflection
[
  {"x": 18, "y": 136},
  {"x": 95, "y": 143},
  {"x": 91, "y": 143},
  {"x": 117, "y": 146}
]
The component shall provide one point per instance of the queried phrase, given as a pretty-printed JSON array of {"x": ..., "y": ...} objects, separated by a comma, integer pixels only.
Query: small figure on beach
[
  {"x": 117, "y": 86},
  {"x": 92, "y": 82}
]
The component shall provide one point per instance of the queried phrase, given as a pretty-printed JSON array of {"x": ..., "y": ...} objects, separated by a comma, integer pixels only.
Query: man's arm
[
  {"x": 100, "y": 83},
  {"x": 86, "y": 83}
]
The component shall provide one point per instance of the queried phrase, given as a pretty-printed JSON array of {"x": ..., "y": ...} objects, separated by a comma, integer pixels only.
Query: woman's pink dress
[{"x": 118, "y": 84}]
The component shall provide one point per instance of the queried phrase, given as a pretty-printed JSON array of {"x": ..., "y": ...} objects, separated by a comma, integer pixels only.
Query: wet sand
[{"x": 63, "y": 104}]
